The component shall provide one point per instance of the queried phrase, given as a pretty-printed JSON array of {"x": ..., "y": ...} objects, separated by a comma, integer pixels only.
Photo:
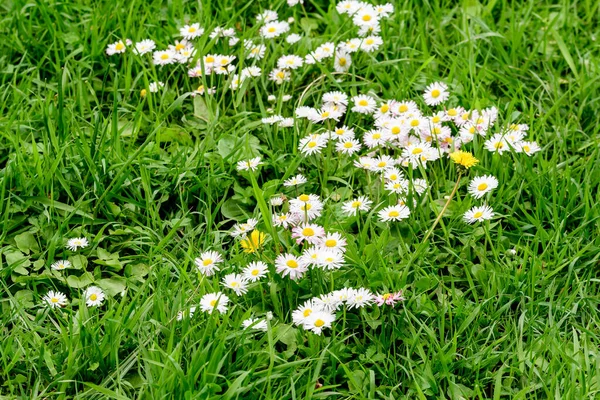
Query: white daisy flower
[
  {"x": 214, "y": 301},
  {"x": 77, "y": 243},
  {"x": 208, "y": 262},
  {"x": 255, "y": 271},
  {"x": 249, "y": 165},
  {"x": 291, "y": 61},
  {"x": 481, "y": 185},
  {"x": 293, "y": 38},
  {"x": 529, "y": 148},
  {"x": 290, "y": 266},
  {"x": 478, "y": 214},
  {"x": 352, "y": 207},
  {"x": 360, "y": 298},
  {"x": 189, "y": 313},
  {"x": 300, "y": 315},
  {"x": 55, "y": 299},
  {"x": 436, "y": 93},
  {"x": 145, "y": 46},
  {"x": 364, "y": 104},
  {"x": 394, "y": 213},
  {"x": 236, "y": 282},
  {"x": 310, "y": 233},
  {"x": 274, "y": 29},
  {"x": 497, "y": 144},
  {"x": 295, "y": 181},
  {"x": 191, "y": 31},
  {"x": 312, "y": 144},
  {"x": 164, "y": 57},
  {"x": 116, "y": 48},
  {"x": 331, "y": 260},
  {"x": 94, "y": 296},
  {"x": 371, "y": 43},
  {"x": 255, "y": 323},
  {"x": 154, "y": 86},
  {"x": 61, "y": 264},
  {"x": 279, "y": 76},
  {"x": 342, "y": 61},
  {"x": 348, "y": 146}
]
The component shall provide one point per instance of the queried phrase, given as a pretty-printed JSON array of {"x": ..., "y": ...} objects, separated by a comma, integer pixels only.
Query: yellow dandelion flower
[
  {"x": 464, "y": 159},
  {"x": 253, "y": 242}
]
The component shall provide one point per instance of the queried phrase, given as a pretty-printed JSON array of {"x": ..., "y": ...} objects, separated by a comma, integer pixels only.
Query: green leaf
[
  {"x": 78, "y": 261},
  {"x": 26, "y": 242},
  {"x": 79, "y": 282},
  {"x": 233, "y": 210},
  {"x": 18, "y": 261},
  {"x": 113, "y": 286}
]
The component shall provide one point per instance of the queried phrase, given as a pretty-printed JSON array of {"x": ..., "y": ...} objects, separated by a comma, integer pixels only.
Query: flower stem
[{"x": 439, "y": 217}]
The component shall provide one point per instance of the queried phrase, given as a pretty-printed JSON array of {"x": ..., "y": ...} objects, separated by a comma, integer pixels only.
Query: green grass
[{"x": 152, "y": 182}]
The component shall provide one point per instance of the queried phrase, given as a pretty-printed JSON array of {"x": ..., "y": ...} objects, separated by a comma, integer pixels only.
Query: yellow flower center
[
  {"x": 366, "y": 18},
  {"x": 312, "y": 144},
  {"x": 377, "y": 136},
  {"x": 306, "y": 207},
  {"x": 210, "y": 59},
  {"x": 120, "y": 46},
  {"x": 234, "y": 284},
  {"x": 271, "y": 29},
  {"x": 292, "y": 264},
  {"x": 386, "y": 296},
  {"x": 164, "y": 57},
  {"x": 143, "y": 92},
  {"x": 308, "y": 232},
  {"x": 54, "y": 300},
  {"x": 414, "y": 122},
  {"x": 348, "y": 145},
  {"x": 472, "y": 130},
  {"x": 436, "y": 119},
  {"x": 255, "y": 272},
  {"x": 281, "y": 74},
  {"x": 369, "y": 41},
  {"x": 93, "y": 297},
  {"x": 435, "y": 93},
  {"x": 394, "y": 214},
  {"x": 396, "y": 130},
  {"x": 213, "y": 302},
  {"x": 482, "y": 186},
  {"x": 356, "y": 204},
  {"x": 207, "y": 262},
  {"x": 384, "y": 108},
  {"x": 417, "y": 150},
  {"x": 191, "y": 29},
  {"x": 526, "y": 148},
  {"x": 363, "y": 103},
  {"x": 452, "y": 112},
  {"x": 307, "y": 312},
  {"x": 403, "y": 108},
  {"x": 478, "y": 214},
  {"x": 329, "y": 259},
  {"x": 340, "y": 132},
  {"x": 319, "y": 323},
  {"x": 304, "y": 198},
  {"x": 330, "y": 242},
  {"x": 342, "y": 61},
  {"x": 499, "y": 145},
  {"x": 325, "y": 114},
  {"x": 179, "y": 46},
  {"x": 381, "y": 164}
]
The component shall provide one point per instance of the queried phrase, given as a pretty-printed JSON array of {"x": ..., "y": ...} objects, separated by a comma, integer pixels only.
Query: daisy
[
  {"x": 374, "y": 138},
  {"x": 55, "y": 299},
  {"x": 290, "y": 265},
  {"x": 497, "y": 144},
  {"x": 279, "y": 76},
  {"x": 257, "y": 52},
  {"x": 419, "y": 185},
  {"x": 289, "y": 62},
  {"x": 274, "y": 29},
  {"x": 300, "y": 315},
  {"x": 327, "y": 302},
  {"x": 77, "y": 243},
  {"x": 191, "y": 31},
  {"x": 349, "y": 7},
  {"x": 389, "y": 299},
  {"x": 295, "y": 181},
  {"x": 208, "y": 262},
  {"x": 293, "y": 38},
  {"x": 478, "y": 214},
  {"x": 61, "y": 264},
  {"x": 364, "y": 104},
  {"x": 336, "y": 98},
  {"x": 236, "y": 282},
  {"x": 319, "y": 320},
  {"x": 393, "y": 174},
  {"x": 360, "y": 298},
  {"x": 242, "y": 230},
  {"x": 311, "y": 233},
  {"x": 342, "y": 133},
  {"x": 349, "y": 146},
  {"x": 267, "y": 16},
  {"x": 405, "y": 107},
  {"x": 189, "y": 313},
  {"x": 382, "y": 163},
  {"x": 286, "y": 123},
  {"x": 352, "y": 207},
  {"x": 255, "y": 271},
  {"x": 331, "y": 260},
  {"x": 399, "y": 186},
  {"x": 436, "y": 93},
  {"x": 94, "y": 296},
  {"x": 276, "y": 200},
  {"x": 312, "y": 144},
  {"x": 116, "y": 48},
  {"x": 251, "y": 72},
  {"x": 249, "y": 165},
  {"x": 255, "y": 323},
  {"x": 164, "y": 57},
  {"x": 371, "y": 43},
  {"x": 384, "y": 10},
  {"x": 394, "y": 213},
  {"x": 481, "y": 185},
  {"x": 145, "y": 46},
  {"x": 214, "y": 301},
  {"x": 311, "y": 256},
  {"x": 366, "y": 16},
  {"x": 306, "y": 207},
  {"x": 529, "y": 148},
  {"x": 284, "y": 220},
  {"x": 154, "y": 86},
  {"x": 342, "y": 61}
]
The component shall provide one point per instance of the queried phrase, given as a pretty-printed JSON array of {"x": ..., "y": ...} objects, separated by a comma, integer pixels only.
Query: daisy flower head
[
  {"x": 291, "y": 61},
  {"x": 191, "y": 31},
  {"x": 331, "y": 259},
  {"x": 497, "y": 144},
  {"x": 276, "y": 201},
  {"x": 419, "y": 185},
  {"x": 255, "y": 323},
  {"x": 389, "y": 299},
  {"x": 302, "y": 313},
  {"x": 478, "y": 214},
  {"x": 436, "y": 93},
  {"x": 290, "y": 266},
  {"x": 349, "y": 7},
  {"x": 529, "y": 148},
  {"x": 382, "y": 163},
  {"x": 348, "y": 146},
  {"x": 255, "y": 271},
  {"x": 61, "y": 264},
  {"x": 328, "y": 302},
  {"x": 116, "y": 48},
  {"x": 154, "y": 86},
  {"x": 285, "y": 220},
  {"x": 360, "y": 298},
  {"x": 394, "y": 213},
  {"x": 342, "y": 133},
  {"x": 274, "y": 29},
  {"x": 236, "y": 282},
  {"x": 249, "y": 165},
  {"x": 310, "y": 233},
  {"x": 306, "y": 207},
  {"x": 328, "y": 111},
  {"x": 375, "y": 137},
  {"x": 279, "y": 76},
  {"x": 267, "y": 16},
  {"x": 481, "y": 185},
  {"x": 366, "y": 16},
  {"x": 371, "y": 43},
  {"x": 55, "y": 299},
  {"x": 214, "y": 301},
  {"x": 312, "y": 144},
  {"x": 295, "y": 181},
  {"x": 352, "y": 207},
  {"x": 257, "y": 51},
  {"x": 293, "y": 38},
  {"x": 342, "y": 61},
  {"x": 164, "y": 57},
  {"x": 384, "y": 10},
  {"x": 189, "y": 313},
  {"x": 252, "y": 243},
  {"x": 94, "y": 296},
  {"x": 145, "y": 46},
  {"x": 311, "y": 256},
  {"x": 242, "y": 230},
  {"x": 399, "y": 186},
  {"x": 75, "y": 244},
  {"x": 208, "y": 262},
  {"x": 364, "y": 104},
  {"x": 335, "y": 98}
]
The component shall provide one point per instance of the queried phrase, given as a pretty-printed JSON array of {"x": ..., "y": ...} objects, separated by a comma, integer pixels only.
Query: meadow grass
[{"x": 152, "y": 181}]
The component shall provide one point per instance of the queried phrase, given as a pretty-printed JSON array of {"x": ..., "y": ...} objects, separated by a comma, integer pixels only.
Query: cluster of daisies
[{"x": 93, "y": 295}]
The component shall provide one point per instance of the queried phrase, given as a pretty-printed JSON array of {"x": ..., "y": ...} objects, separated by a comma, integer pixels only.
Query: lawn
[{"x": 341, "y": 201}]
